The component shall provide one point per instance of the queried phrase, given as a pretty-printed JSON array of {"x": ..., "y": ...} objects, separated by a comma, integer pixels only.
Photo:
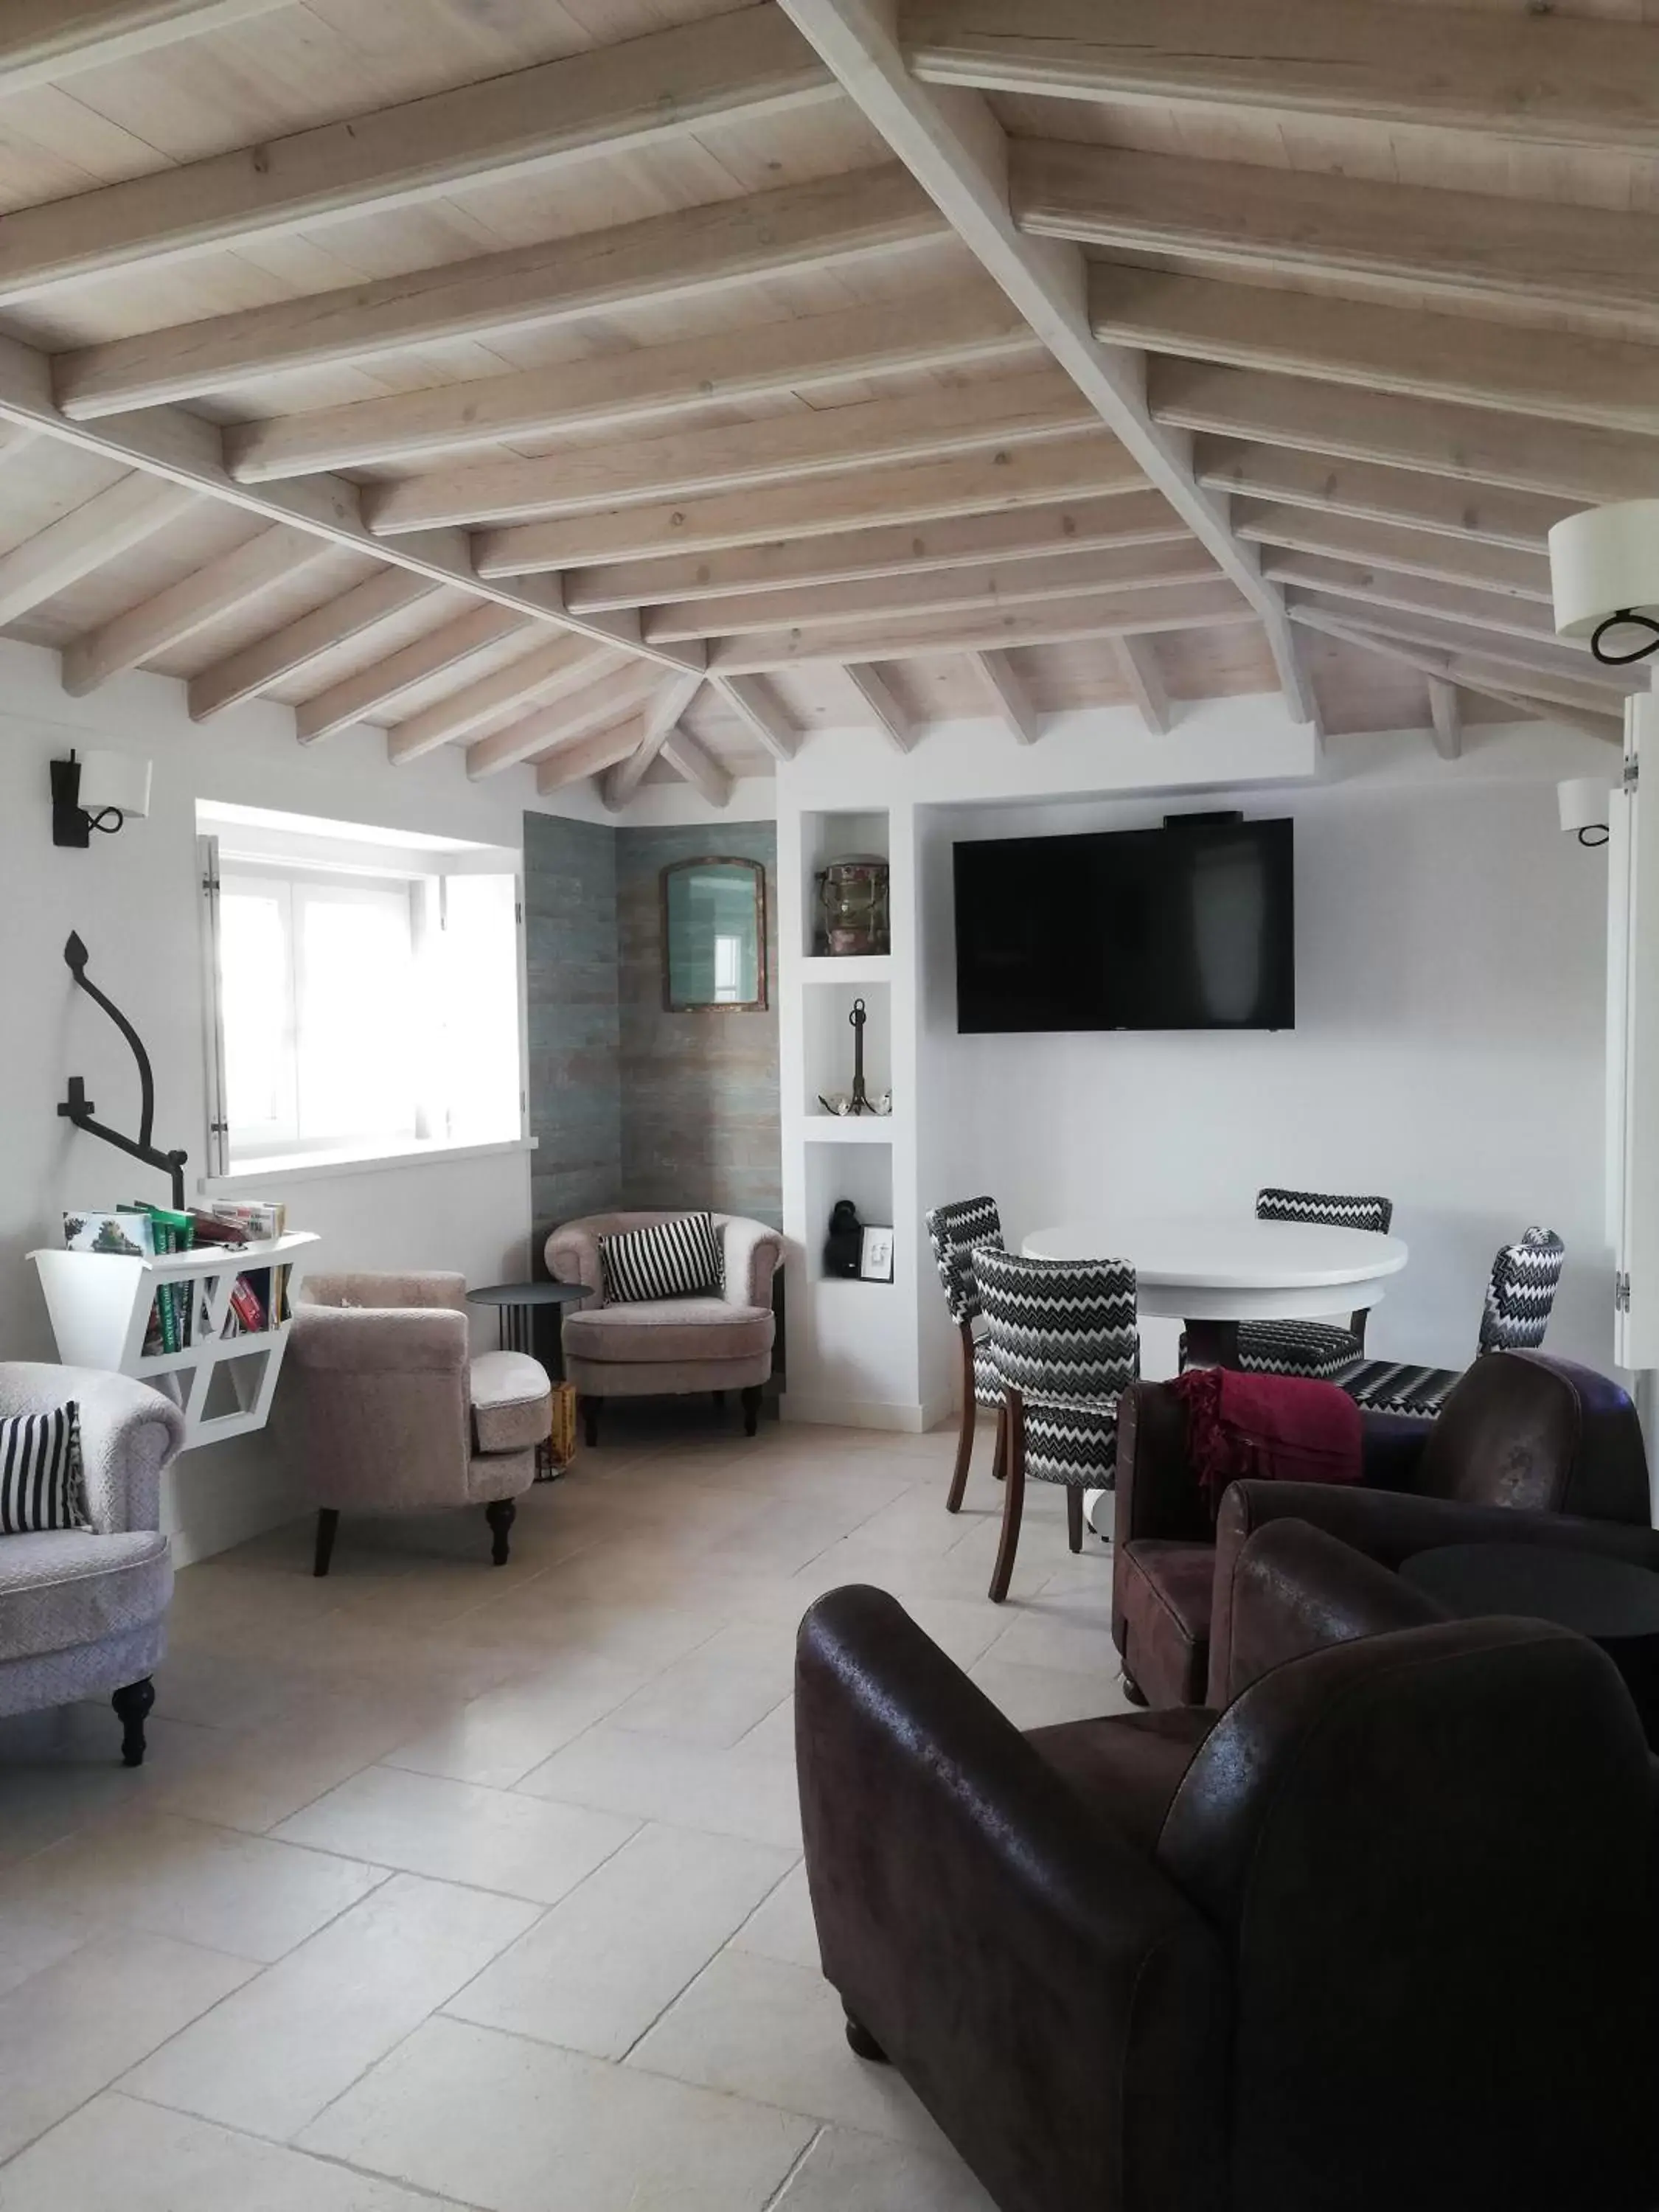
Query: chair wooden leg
[
  {"x": 133, "y": 1701},
  {"x": 751, "y": 1409},
  {"x": 969, "y": 1416},
  {"x": 501, "y": 1513},
  {"x": 328, "y": 1523},
  {"x": 1000, "y": 1447},
  {"x": 591, "y": 1421},
  {"x": 1010, "y": 1442},
  {"x": 1074, "y": 1517}
]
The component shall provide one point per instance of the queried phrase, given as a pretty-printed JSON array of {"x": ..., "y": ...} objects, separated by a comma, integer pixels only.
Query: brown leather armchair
[
  {"x": 1527, "y": 1449},
  {"x": 1378, "y": 1935}
]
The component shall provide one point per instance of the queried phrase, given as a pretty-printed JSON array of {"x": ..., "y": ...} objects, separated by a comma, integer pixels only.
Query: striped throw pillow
[
  {"x": 40, "y": 1472},
  {"x": 672, "y": 1258}
]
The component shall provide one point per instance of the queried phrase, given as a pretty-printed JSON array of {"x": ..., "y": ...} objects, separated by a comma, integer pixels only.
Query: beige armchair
[
  {"x": 661, "y": 1347},
  {"x": 391, "y": 1413},
  {"x": 85, "y": 1610}
]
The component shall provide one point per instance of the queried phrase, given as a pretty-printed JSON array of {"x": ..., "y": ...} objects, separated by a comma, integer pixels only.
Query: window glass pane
[
  {"x": 253, "y": 955},
  {"x": 356, "y": 1058}
]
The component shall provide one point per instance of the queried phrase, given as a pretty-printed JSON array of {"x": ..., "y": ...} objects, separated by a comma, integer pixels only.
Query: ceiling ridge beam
[
  {"x": 678, "y": 255},
  {"x": 696, "y": 765},
  {"x": 780, "y": 448},
  {"x": 44, "y": 41},
  {"x": 647, "y": 386},
  {"x": 111, "y": 523},
  {"x": 1566, "y": 376},
  {"x": 1045, "y": 471},
  {"x": 361, "y": 697},
  {"x": 610, "y": 98},
  {"x": 1468, "y": 444},
  {"x": 954, "y": 146},
  {"x": 283, "y": 652},
  {"x": 670, "y": 702},
  {"x": 1458, "y": 247},
  {"x": 1545, "y": 79},
  {"x": 175, "y": 446},
  {"x": 274, "y": 555},
  {"x": 753, "y": 704},
  {"x": 1129, "y": 519}
]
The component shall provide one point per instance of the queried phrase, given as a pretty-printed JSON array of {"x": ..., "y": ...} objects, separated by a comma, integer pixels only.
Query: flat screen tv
[{"x": 1191, "y": 927}]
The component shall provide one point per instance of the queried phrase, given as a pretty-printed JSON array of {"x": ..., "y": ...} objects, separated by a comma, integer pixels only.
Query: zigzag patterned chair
[
  {"x": 1520, "y": 1297},
  {"x": 1062, "y": 1336},
  {"x": 1319, "y": 1350},
  {"x": 954, "y": 1231}
]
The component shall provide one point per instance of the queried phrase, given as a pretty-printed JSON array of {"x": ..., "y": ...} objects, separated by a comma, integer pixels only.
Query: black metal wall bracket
[{"x": 80, "y": 1109}]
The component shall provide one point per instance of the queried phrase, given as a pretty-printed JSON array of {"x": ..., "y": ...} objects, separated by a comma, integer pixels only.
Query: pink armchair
[
  {"x": 659, "y": 1347},
  {"x": 393, "y": 1414}
]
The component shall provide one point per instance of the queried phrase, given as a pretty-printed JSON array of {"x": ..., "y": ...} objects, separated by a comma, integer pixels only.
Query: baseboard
[
  {"x": 864, "y": 1412},
  {"x": 220, "y": 1495}
]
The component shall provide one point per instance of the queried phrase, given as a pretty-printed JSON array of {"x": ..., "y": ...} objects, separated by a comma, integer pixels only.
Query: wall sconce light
[
  {"x": 1583, "y": 800},
  {"x": 96, "y": 791}
]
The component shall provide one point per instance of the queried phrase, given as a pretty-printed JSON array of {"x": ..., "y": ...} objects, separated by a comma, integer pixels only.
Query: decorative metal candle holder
[{"x": 858, "y": 1100}]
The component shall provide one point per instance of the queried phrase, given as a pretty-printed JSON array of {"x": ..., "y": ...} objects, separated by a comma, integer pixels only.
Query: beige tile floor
[{"x": 450, "y": 1886}]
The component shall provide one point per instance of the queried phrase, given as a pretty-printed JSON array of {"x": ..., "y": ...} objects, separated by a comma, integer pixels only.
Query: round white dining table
[{"x": 1212, "y": 1272}]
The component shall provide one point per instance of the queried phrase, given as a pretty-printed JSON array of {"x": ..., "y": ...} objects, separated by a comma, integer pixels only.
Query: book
[
  {"x": 263, "y": 1221},
  {"x": 128, "y": 1236}
]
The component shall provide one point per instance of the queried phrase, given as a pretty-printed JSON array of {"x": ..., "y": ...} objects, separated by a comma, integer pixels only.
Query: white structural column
[{"x": 954, "y": 146}]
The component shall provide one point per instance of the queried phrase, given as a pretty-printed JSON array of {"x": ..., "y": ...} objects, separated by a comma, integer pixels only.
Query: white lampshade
[
  {"x": 1603, "y": 562},
  {"x": 1583, "y": 800},
  {"x": 115, "y": 780}
]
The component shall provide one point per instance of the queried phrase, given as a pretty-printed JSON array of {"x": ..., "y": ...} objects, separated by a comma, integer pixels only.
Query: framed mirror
[{"x": 713, "y": 937}]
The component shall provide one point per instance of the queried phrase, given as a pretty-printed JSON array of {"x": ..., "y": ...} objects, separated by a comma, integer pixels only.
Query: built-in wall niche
[
  {"x": 826, "y": 1008},
  {"x": 835, "y": 836},
  {"x": 862, "y": 1172}
]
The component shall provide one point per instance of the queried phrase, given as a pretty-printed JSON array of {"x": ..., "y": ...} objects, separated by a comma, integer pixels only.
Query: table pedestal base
[{"x": 1211, "y": 1343}]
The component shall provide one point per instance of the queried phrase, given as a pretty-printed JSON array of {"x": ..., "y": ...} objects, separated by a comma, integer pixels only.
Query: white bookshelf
[{"x": 99, "y": 1305}]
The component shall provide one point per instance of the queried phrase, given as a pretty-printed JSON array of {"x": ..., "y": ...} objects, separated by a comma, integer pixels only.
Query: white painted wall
[
  {"x": 1448, "y": 1051},
  {"x": 133, "y": 899}
]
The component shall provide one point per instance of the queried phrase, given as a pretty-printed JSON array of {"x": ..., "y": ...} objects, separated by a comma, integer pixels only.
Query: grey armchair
[
  {"x": 83, "y": 1611},
  {"x": 660, "y": 1347},
  {"x": 390, "y": 1412}
]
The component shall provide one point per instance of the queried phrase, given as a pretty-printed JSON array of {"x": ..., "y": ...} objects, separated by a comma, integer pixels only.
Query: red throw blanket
[{"x": 1279, "y": 1428}]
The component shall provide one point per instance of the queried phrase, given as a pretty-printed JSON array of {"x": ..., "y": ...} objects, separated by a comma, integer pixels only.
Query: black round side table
[
  {"x": 1612, "y": 1601},
  {"x": 516, "y": 1303}
]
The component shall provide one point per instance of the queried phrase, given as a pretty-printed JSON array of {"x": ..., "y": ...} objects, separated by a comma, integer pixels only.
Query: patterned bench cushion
[
  {"x": 1390, "y": 1386},
  {"x": 1315, "y": 1349}
]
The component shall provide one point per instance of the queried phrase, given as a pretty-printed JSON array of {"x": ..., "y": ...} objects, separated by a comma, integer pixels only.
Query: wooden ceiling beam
[
  {"x": 1446, "y": 718},
  {"x": 1137, "y": 657},
  {"x": 552, "y": 670},
  {"x": 1044, "y": 473},
  {"x": 1445, "y": 673},
  {"x": 360, "y": 697},
  {"x": 686, "y": 253},
  {"x": 1554, "y": 79},
  {"x": 1443, "y": 634},
  {"x": 1477, "y": 514},
  {"x": 1558, "y": 460},
  {"x": 937, "y": 591},
  {"x": 610, "y": 98},
  {"x": 1006, "y": 689},
  {"x": 586, "y": 756},
  {"x": 695, "y": 765},
  {"x": 1384, "y": 587},
  {"x": 670, "y": 702},
  {"x": 890, "y": 717},
  {"x": 274, "y": 555},
  {"x": 783, "y": 448},
  {"x": 898, "y": 550},
  {"x": 44, "y": 41},
  {"x": 1185, "y": 607},
  {"x": 596, "y": 707},
  {"x": 1411, "y": 552},
  {"x": 1611, "y": 384},
  {"x": 293, "y": 647},
  {"x": 956, "y": 148},
  {"x": 752, "y": 701},
  {"x": 647, "y": 386},
  {"x": 112, "y": 522},
  {"x": 1452, "y": 249}
]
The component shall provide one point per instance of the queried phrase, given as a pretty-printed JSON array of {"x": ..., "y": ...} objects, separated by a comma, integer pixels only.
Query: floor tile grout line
[
  {"x": 693, "y": 1979},
  {"x": 778, "y": 2195}
]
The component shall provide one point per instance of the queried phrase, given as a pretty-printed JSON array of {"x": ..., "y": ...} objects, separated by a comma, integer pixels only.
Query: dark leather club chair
[
  {"x": 1379, "y": 1936},
  {"x": 1526, "y": 1448}
]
